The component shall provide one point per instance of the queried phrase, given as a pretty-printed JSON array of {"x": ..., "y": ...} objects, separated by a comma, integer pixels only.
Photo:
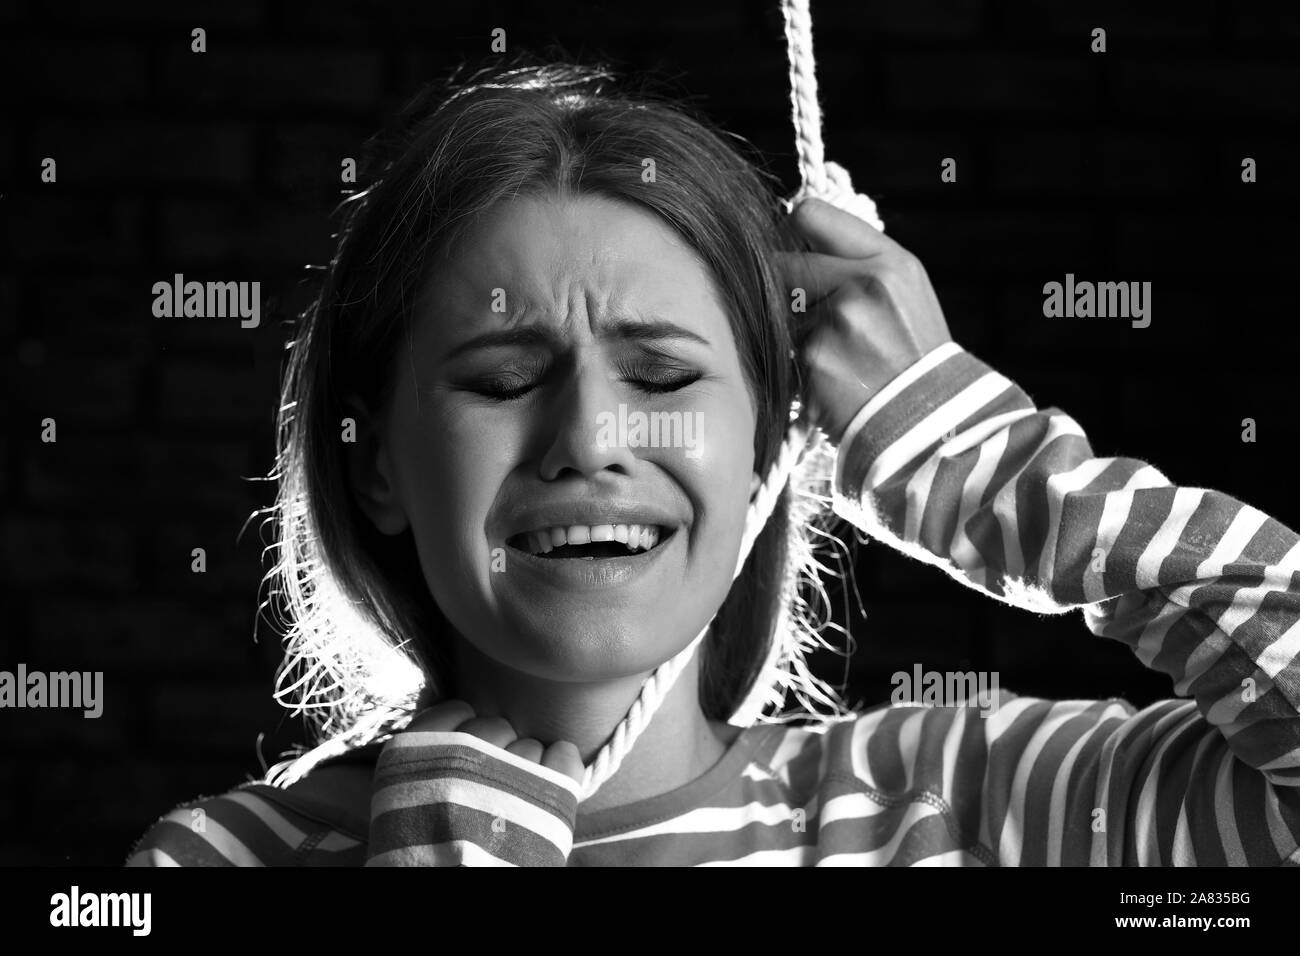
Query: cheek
[
  {"x": 451, "y": 471},
  {"x": 717, "y": 474}
]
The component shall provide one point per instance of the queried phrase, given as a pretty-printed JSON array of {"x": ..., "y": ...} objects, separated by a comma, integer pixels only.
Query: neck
[{"x": 677, "y": 745}]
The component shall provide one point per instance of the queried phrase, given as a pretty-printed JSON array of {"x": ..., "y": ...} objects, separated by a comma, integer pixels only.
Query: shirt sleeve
[
  {"x": 253, "y": 825},
  {"x": 953, "y": 464},
  {"x": 451, "y": 799}
]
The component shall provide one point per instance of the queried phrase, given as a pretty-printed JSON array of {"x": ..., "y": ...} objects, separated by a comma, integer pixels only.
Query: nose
[{"x": 581, "y": 426}]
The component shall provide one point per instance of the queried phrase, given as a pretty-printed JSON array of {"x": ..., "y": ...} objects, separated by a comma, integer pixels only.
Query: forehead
[{"x": 570, "y": 260}]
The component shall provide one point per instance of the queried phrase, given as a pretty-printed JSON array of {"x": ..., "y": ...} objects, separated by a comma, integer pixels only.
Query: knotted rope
[{"x": 830, "y": 182}]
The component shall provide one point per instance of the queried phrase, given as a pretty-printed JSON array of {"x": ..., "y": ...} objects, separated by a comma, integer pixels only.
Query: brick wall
[{"x": 1119, "y": 166}]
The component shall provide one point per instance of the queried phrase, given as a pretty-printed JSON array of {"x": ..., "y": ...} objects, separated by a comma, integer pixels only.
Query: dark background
[{"x": 1122, "y": 166}]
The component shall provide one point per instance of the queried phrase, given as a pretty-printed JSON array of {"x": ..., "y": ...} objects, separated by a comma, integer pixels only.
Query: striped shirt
[{"x": 953, "y": 464}]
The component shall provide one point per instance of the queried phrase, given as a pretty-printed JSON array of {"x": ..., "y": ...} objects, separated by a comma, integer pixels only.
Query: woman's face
[{"x": 571, "y": 439}]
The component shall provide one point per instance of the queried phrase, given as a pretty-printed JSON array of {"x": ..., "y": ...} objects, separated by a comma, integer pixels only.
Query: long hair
[{"x": 365, "y": 643}]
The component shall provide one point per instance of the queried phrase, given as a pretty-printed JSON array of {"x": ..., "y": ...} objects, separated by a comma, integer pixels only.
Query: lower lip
[{"x": 580, "y": 574}]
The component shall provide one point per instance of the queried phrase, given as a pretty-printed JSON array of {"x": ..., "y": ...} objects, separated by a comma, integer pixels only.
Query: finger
[
  {"x": 854, "y": 287},
  {"x": 835, "y": 232},
  {"x": 495, "y": 730},
  {"x": 563, "y": 757},
  {"x": 444, "y": 716},
  {"x": 817, "y": 273},
  {"x": 528, "y": 748}
]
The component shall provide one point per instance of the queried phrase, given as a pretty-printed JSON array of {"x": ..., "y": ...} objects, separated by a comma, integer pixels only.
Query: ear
[{"x": 370, "y": 471}]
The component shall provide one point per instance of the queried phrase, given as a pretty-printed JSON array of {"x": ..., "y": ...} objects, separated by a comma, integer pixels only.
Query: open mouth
[{"x": 591, "y": 542}]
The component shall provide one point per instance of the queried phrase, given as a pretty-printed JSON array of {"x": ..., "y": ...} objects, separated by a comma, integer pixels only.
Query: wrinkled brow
[{"x": 549, "y": 337}]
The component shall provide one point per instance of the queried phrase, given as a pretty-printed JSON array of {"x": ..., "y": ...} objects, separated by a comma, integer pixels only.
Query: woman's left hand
[{"x": 872, "y": 311}]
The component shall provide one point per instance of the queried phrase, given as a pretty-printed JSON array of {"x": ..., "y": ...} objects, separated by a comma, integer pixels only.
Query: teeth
[{"x": 636, "y": 537}]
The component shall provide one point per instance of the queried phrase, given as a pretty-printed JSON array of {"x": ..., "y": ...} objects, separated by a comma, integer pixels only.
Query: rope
[
  {"x": 806, "y": 112},
  {"x": 656, "y": 687},
  {"x": 818, "y": 177},
  {"x": 831, "y": 182}
]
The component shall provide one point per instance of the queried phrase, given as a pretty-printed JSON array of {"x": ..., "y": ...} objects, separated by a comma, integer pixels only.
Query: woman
[{"x": 480, "y": 573}]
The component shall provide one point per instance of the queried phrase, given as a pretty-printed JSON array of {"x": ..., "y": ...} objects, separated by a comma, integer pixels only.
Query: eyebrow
[{"x": 537, "y": 336}]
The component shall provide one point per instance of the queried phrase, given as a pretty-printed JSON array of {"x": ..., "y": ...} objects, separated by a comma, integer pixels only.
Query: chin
[{"x": 580, "y": 644}]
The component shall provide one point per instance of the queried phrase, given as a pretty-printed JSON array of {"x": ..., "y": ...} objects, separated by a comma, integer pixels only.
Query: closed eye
[
  {"x": 658, "y": 384},
  {"x": 658, "y": 377},
  {"x": 512, "y": 381},
  {"x": 505, "y": 388},
  {"x": 517, "y": 379}
]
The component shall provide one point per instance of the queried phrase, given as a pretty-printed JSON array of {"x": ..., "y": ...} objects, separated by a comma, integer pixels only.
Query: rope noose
[{"x": 830, "y": 182}]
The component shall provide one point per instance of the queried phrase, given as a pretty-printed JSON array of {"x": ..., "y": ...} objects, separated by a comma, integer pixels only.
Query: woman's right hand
[{"x": 457, "y": 716}]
